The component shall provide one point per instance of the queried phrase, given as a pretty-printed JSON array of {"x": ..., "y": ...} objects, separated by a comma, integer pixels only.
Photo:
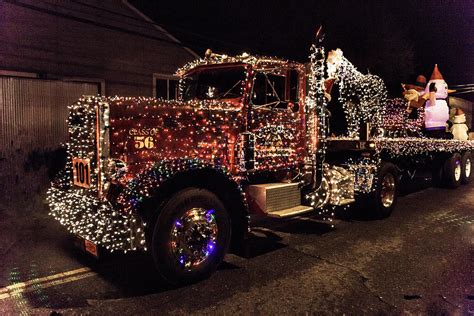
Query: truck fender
[{"x": 147, "y": 193}]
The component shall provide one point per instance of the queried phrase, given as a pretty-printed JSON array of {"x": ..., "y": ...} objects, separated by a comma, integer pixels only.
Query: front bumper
[{"x": 96, "y": 220}]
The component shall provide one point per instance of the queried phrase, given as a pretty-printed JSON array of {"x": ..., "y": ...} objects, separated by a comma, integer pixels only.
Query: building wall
[
  {"x": 33, "y": 115},
  {"x": 64, "y": 39}
]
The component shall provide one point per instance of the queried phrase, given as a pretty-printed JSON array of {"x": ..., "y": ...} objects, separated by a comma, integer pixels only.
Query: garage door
[{"x": 33, "y": 113}]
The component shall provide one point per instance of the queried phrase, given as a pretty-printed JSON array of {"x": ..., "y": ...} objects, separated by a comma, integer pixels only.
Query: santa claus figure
[
  {"x": 436, "y": 107},
  {"x": 459, "y": 128}
]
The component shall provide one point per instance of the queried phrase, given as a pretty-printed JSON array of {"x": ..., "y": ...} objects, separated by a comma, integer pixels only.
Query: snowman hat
[{"x": 436, "y": 75}]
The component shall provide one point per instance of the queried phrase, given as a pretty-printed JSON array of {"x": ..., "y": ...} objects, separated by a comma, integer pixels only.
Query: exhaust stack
[{"x": 316, "y": 116}]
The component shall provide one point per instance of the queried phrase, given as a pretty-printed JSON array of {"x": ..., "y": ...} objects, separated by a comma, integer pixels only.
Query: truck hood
[{"x": 145, "y": 131}]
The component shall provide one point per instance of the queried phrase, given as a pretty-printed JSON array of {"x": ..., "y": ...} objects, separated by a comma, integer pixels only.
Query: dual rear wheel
[
  {"x": 466, "y": 171},
  {"x": 457, "y": 170}
]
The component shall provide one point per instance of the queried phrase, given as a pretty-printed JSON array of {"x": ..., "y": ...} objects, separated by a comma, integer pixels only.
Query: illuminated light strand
[
  {"x": 365, "y": 172},
  {"x": 396, "y": 121},
  {"x": 316, "y": 131},
  {"x": 412, "y": 146},
  {"x": 221, "y": 59},
  {"x": 363, "y": 97}
]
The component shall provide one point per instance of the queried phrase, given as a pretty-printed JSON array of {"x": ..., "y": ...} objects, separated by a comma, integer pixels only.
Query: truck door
[{"x": 276, "y": 119}]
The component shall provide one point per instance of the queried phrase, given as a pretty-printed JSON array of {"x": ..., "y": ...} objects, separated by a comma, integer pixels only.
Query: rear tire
[
  {"x": 452, "y": 171},
  {"x": 466, "y": 167},
  {"x": 191, "y": 236}
]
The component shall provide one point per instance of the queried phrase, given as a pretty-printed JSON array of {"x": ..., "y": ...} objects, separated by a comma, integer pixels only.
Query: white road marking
[{"x": 44, "y": 282}]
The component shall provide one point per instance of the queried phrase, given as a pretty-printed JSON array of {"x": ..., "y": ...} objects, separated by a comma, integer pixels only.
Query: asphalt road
[{"x": 418, "y": 261}]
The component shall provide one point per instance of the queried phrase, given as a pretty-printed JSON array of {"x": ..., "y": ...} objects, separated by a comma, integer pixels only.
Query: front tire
[{"x": 191, "y": 236}]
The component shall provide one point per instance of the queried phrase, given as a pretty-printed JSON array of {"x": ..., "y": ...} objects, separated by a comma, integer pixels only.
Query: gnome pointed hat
[
  {"x": 436, "y": 75},
  {"x": 459, "y": 111}
]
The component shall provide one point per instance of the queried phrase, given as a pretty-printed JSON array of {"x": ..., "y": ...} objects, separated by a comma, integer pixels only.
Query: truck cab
[{"x": 269, "y": 93}]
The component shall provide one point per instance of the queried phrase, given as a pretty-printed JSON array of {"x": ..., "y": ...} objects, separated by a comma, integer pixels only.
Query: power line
[
  {"x": 467, "y": 85},
  {"x": 112, "y": 11},
  {"x": 142, "y": 21},
  {"x": 463, "y": 92}
]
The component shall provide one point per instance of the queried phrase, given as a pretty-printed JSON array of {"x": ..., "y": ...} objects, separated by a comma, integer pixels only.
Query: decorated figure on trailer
[
  {"x": 415, "y": 95},
  {"x": 459, "y": 127},
  {"x": 363, "y": 97},
  {"x": 436, "y": 107}
]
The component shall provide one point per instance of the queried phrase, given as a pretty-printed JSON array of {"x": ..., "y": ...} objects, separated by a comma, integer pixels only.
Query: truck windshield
[{"x": 214, "y": 83}]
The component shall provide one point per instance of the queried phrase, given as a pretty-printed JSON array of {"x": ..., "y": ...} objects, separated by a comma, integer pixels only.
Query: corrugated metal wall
[{"x": 33, "y": 113}]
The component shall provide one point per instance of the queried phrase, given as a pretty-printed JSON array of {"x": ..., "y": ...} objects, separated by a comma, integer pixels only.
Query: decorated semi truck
[{"x": 248, "y": 136}]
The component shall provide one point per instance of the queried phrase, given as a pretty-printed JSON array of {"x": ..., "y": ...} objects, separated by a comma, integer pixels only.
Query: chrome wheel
[
  {"x": 457, "y": 170},
  {"x": 193, "y": 237},
  {"x": 467, "y": 168},
  {"x": 387, "y": 192}
]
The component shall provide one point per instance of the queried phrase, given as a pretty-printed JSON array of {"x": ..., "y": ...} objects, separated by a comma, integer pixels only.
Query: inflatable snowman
[{"x": 436, "y": 107}]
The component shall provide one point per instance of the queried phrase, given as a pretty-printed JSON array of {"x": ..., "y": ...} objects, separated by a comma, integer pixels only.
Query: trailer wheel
[
  {"x": 191, "y": 236},
  {"x": 380, "y": 203},
  {"x": 453, "y": 171},
  {"x": 466, "y": 168}
]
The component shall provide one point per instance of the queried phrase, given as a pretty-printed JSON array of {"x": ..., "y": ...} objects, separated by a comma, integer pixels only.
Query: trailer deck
[{"x": 399, "y": 146}]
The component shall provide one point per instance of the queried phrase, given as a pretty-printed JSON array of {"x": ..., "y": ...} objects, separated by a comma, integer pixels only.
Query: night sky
[{"x": 394, "y": 39}]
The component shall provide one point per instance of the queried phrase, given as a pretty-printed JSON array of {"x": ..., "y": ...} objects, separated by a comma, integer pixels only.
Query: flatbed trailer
[
  {"x": 400, "y": 146},
  {"x": 447, "y": 162}
]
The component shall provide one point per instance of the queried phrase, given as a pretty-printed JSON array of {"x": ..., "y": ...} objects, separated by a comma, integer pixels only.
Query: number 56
[{"x": 143, "y": 142}]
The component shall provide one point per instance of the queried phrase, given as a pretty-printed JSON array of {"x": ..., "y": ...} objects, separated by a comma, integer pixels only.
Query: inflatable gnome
[
  {"x": 436, "y": 107},
  {"x": 459, "y": 128}
]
